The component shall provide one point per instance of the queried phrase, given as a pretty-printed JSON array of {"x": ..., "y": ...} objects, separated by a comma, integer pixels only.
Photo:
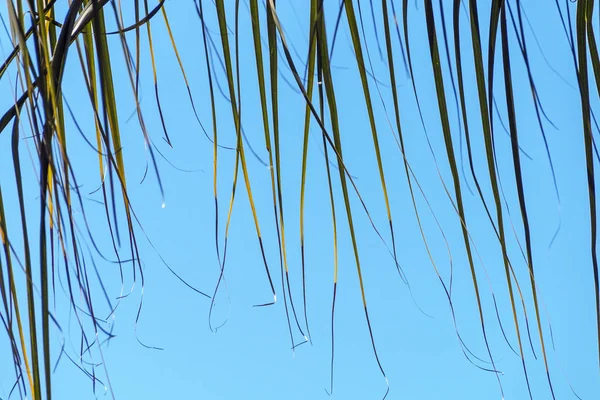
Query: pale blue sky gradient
[{"x": 250, "y": 356}]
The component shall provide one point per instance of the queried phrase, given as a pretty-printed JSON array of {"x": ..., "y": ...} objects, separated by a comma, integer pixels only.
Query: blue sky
[{"x": 250, "y": 356}]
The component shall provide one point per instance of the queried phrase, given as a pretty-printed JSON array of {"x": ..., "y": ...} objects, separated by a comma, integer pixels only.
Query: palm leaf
[{"x": 52, "y": 237}]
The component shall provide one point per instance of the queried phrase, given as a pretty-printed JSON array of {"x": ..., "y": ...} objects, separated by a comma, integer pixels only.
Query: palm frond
[{"x": 428, "y": 74}]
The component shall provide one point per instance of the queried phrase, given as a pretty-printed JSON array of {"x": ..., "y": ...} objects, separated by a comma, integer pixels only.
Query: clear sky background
[{"x": 250, "y": 356}]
